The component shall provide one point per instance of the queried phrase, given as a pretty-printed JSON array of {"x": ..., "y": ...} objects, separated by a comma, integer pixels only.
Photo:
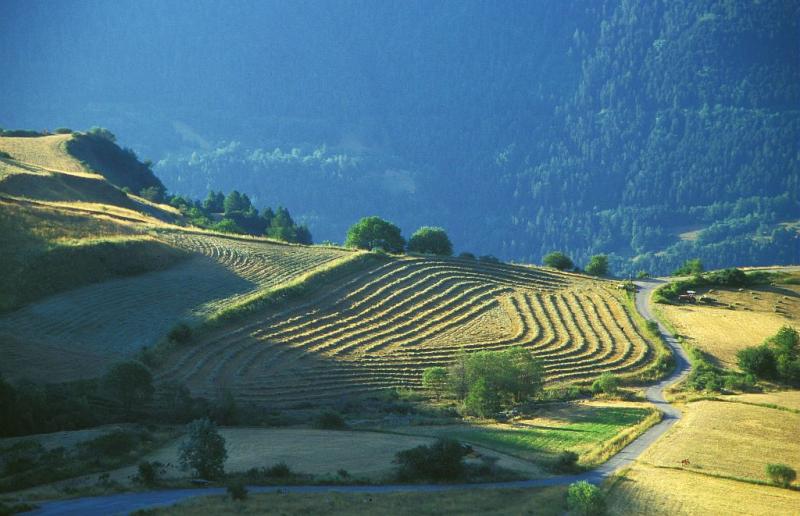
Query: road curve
[{"x": 127, "y": 502}]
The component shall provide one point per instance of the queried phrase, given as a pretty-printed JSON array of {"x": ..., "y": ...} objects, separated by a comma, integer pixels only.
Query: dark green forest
[{"x": 651, "y": 131}]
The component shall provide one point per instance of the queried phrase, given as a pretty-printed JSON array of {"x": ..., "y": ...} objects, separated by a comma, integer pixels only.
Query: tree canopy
[
  {"x": 598, "y": 265},
  {"x": 430, "y": 240},
  {"x": 558, "y": 260},
  {"x": 375, "y": 233}
]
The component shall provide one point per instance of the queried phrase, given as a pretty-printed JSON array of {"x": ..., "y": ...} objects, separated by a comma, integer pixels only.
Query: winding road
[{"x": 128, "y": 502}]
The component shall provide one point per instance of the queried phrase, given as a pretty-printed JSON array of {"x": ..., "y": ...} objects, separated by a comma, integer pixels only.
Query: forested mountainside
[{"x": 651, "y": 130}]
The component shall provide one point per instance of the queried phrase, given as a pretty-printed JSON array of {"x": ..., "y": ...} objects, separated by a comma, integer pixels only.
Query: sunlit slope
[
  {"x": 45, "y": 151},
  {"x": 41, "y": 169},
  {"x": 384, "y": 327}
]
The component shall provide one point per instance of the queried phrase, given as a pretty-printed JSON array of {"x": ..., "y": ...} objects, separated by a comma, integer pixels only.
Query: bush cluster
[
  {"x": 487, "y": 381},
  {"x": 778, "y": 358},
  {"x": 442, "y": 460}
]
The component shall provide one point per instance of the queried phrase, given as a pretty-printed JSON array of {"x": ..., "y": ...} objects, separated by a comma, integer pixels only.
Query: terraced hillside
[
  {"x": 100, "y": 323},
  {"x": 384, "y": 327}
]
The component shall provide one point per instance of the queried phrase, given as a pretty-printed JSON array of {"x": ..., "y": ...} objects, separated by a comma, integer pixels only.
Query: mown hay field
[
  {"x": 720, "y": 331},
  {"x": 648, "y": 490},
  {"x": 382, "y": 328},
  {"x": 545, "y": 502},
  {"x": 44, "y": 151},
  {"x": 101, "y": 323},
  {"x": 731, "y": 439}
]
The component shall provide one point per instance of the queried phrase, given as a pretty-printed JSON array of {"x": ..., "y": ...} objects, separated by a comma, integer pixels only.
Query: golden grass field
[
  {"x": 720, "y": 331},
  {"x": 545, "y": 502},
  {"x": 647, "y": 490},
  {"x": 720, "y": 439},
  {"x": 384, "y": 326},
  {"x": 787, "y": 399},
  {"x": 45, "y": 151}
]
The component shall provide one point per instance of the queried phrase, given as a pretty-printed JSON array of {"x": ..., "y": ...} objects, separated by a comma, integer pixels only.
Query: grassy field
[
  {"x": 580, "y": 427},
  {"x": 546, "y": 501},
  {"x": 731, "y": 439},
  {"x": 45, "y": 151},
  {"x": 728, "y": 445},
  {"x": 382, "y": 328},
  {"x": 365, "y": 455},
  {"x": 787, "y": 399},
  {"x": 649, "y": 490},
  {"x": 721, "y": 331}
]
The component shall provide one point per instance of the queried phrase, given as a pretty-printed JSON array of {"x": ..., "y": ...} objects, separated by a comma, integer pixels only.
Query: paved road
[{"x": 127, "y": 502}]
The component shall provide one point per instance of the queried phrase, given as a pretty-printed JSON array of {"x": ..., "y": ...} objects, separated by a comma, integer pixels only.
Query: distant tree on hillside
[
  {"x": 203, "y": 450},
  {"x": 236, "y": 201},
  {"x": 690, "y": 268},
  {"x": 558, "y": 260},
  {"x": 130, "y": 383},
  {"x": 375, "y": 233},
  {"x": 214, "y": 202},
  {"x": 598, "y": 265},
  {"x": 430, "y": 240}
]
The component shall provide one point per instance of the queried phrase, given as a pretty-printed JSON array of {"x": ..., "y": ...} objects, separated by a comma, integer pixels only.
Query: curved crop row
[{"x": 384, "y": 328}]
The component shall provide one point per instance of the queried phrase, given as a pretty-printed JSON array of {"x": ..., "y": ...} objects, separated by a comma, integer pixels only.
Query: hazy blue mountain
[{"x": 521, "y": 127}]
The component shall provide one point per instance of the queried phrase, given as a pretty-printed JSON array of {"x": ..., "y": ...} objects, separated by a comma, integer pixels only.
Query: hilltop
[{"x": 85, "y": 250}]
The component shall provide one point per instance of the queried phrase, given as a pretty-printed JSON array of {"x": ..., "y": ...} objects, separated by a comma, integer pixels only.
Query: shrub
[
  {"x": 63, "y": 130},
  {"x": 149, "y": 473},
  {"x": 279, "y": 470},
  {"x": 488, "y": 258},
  {"x": 442, "y": 460},
  {"x": 430, "y": 240},
  {"x": 203, "y": 450},
  {"x": 466, "y": 256},
  {"x": 330, "y": 420},
  {"x": 608, "y": 383},
  {"x": 237, "y": 491},
  {"x": 781, "y": 474},
  {"x": 130, "y": 383},
  {"x": 4, "y": 154},
  {"x": 180, "y": 334},
  {"x": 565, "y": 462},
  {"x": 757, "y": 360},
  {"x": 558, "y": 260},
  {"x": 586, "y": 499}
]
